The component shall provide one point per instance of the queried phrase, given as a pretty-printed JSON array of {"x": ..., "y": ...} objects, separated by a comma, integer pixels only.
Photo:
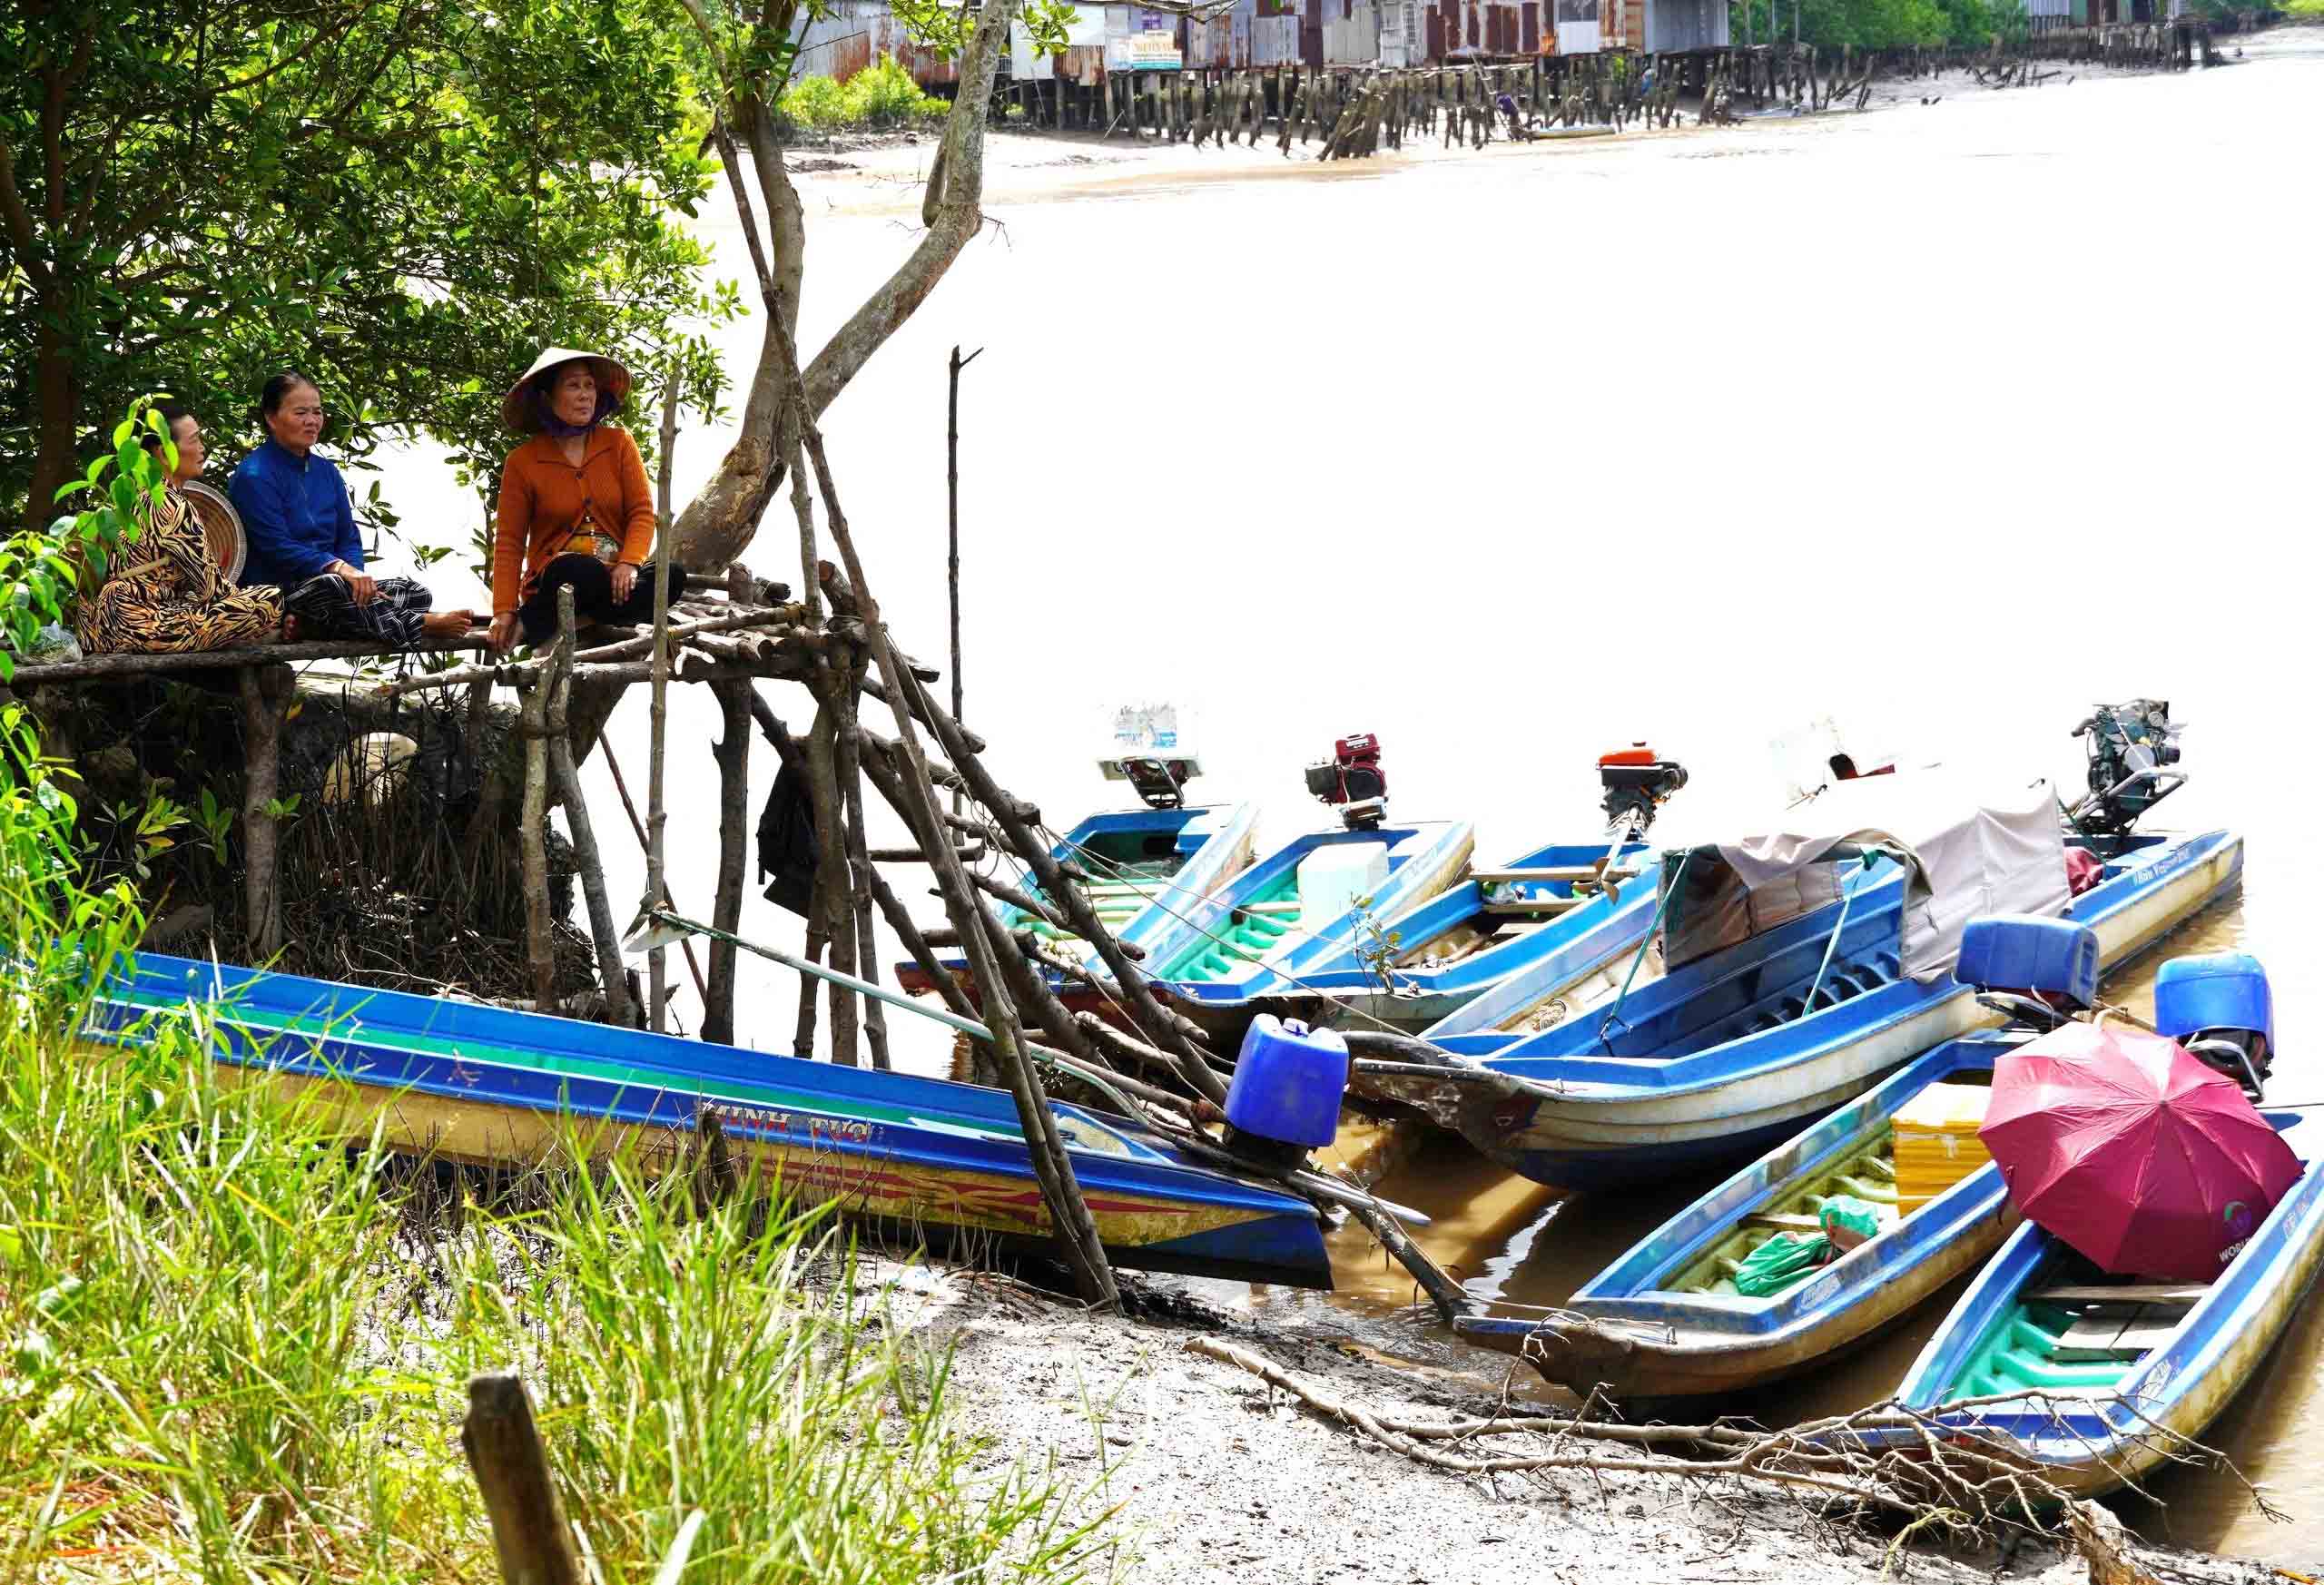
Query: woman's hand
[
  {"x": 361, "y": 583},
  {"x": 625, "y": 581},
  {"x": 502, "y": 635}
]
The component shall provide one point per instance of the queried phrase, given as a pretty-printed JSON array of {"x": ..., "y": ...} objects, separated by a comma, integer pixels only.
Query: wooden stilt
[
  {"x": 532, "y": 826},
  {"x": 732, "y": 754},
  {"x": 610, "y": 974},
  {"x": 266, "y": 695}
]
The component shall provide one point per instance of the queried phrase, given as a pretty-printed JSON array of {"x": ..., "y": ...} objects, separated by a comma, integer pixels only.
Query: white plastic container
[{"x": 1332, "y": 878}]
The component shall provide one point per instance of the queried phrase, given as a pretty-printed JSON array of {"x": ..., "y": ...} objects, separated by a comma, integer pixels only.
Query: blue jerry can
[{"x": 1289, "y": 1081}]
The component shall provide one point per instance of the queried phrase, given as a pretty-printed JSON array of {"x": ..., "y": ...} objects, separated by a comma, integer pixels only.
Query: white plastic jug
[{"x": 1332, "y": 878}]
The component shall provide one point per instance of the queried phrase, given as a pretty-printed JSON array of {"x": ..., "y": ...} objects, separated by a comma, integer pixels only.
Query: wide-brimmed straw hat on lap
[{"x": 517, "y": 407}]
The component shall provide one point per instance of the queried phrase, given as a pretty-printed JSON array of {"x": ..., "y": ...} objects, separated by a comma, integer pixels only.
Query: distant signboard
[{"x": 1149, "y": 50}]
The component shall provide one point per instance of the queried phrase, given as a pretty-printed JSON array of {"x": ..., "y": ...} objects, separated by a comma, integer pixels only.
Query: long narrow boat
[
  {"x": 1149, "y": 869},
  {"x": 2123, "y": 1369},
  {"x": 1667, "y": 1319},
  {"x": 1724, "y": 1057},
  {"x": 488, "y": 1086},
  {"x": 1258, "y": 933},
  {"x": 1546, "y": 914}
]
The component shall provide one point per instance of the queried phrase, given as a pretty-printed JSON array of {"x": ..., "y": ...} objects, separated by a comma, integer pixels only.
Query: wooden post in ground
[
  {"x": 532, "y": 828},
  {"x": 859, "y": 864},
  {"x": 733, "y": 753},
  {"x": 266, "y": 695},
  {"x": 529, "y": 1534},
  {"x": 656, "y": 878},
  {"x": 832, "y": 913},
  {"x": 601, "y": 934}
]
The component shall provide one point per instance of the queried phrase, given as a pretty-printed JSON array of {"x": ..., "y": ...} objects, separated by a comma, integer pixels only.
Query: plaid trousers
[{"x": 326, "y": 608}]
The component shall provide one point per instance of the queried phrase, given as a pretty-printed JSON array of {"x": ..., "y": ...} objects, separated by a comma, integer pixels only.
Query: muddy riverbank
[{"x": 1212, "y": 1476}]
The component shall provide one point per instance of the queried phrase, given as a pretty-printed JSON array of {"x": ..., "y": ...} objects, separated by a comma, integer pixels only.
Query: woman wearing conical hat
[{"x": 576, "y": 511}]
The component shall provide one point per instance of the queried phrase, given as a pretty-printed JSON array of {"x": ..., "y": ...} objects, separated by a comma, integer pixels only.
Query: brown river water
[{"x": 1948, "y": 420}]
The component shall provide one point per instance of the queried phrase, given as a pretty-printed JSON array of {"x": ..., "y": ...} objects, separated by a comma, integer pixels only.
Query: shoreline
[{"x": 1213, "y": 1475}]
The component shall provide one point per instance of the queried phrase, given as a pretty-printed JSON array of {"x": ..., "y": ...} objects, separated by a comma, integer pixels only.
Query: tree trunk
[
  {"x": 55, "y": 457},
  {"x": 720, "y": 521}
]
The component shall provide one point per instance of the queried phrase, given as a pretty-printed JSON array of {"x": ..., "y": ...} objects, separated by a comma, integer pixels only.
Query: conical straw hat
[{"x": 516, "y": 408}]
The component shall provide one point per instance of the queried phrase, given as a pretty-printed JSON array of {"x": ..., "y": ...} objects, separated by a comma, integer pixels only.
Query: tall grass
[{"x": 229, "y": 1351}]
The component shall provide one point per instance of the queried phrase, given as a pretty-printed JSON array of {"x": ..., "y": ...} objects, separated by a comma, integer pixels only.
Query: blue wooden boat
[
  {"x": 484, "y": 1084},
  {"x": 2120, "y": 1370},
  {"x": 1545, "y": 916},
  {"x": 1251, "y": 936},
  {"x": 1667, "y": 1320},
  {"x": 1149, "y": 867},
  {"x": 1724, "y": 1056}
]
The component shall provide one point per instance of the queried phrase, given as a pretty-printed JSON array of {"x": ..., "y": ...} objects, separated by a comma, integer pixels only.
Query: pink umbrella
[{"x": 2126, "y": 1147}]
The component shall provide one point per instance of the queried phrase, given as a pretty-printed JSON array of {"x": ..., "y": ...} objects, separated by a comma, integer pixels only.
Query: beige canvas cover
[{"x": 1967, "y": 850}]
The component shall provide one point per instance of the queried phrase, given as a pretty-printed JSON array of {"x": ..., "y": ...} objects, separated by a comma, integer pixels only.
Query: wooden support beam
[
  {"x": 99, "y": 666},
  {"x": 602, "y": 933},
  {"x": 732, "y": 752},
  {"x": 265, "y": 693}
]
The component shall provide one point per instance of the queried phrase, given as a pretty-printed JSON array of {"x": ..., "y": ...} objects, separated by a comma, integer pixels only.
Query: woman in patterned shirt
[{"x": 164, "y": 592}]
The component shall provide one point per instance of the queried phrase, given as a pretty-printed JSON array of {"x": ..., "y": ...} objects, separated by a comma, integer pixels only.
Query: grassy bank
[{"x": 231, "y": 1348}]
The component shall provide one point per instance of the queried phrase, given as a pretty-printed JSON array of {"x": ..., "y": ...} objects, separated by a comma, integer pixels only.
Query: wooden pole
[
  {"x": 1060, "y": 888},
  {"x": 733, "y": 753},
  {"x": 952, "y": 501},
  {"x": 577, "y": 819},
  {"x": 832, "y": 909},
  {"x": 529, "y": 1534},
  {"x": 656, "y": 877},
  {"x": 637, "y": 828},
  {"x": 532, "y": 717},
  {"x": 859, "y": 865},
  {"x": 266, "y": 694}
]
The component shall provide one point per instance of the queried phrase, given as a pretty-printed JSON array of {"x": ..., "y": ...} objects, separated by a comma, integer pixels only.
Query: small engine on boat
[
  {"x": 2130, "y": 746},
  {"x": 1636, "y": 784},
  {"x": 1353, "y": 781},
  {"x": 2218, "y": 1007}
]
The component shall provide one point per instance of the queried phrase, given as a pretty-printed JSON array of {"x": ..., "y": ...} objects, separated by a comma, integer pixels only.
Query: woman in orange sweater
[{"x": 574, "y": 507}]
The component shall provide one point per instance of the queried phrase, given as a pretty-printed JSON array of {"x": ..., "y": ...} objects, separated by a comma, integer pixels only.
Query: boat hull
[
  {"x": 1628, "y": 1332},
  {"x": 1682, "y": 1113},
  {"x": 494, "y": 1088}
]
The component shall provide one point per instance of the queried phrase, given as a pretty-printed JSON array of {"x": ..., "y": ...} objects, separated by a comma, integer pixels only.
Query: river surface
[{"x": 1946, "y": 421}]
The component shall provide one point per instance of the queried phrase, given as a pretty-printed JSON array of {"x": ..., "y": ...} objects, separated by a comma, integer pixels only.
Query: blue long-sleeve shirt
[{"x": 298, "y": 515}]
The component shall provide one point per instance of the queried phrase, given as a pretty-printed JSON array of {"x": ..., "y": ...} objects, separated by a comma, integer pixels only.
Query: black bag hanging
[{"x": 787, "y": 844}]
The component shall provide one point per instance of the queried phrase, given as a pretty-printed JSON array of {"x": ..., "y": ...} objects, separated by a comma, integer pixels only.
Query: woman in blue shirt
[{"x": 302, "y": 525}]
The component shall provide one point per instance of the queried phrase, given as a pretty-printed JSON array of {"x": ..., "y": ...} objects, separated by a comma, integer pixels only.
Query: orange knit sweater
[{"x": 542, "y": 499}]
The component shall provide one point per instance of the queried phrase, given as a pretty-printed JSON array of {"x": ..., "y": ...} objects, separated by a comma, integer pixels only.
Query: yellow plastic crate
[{"x": 1937, "y": 1141}]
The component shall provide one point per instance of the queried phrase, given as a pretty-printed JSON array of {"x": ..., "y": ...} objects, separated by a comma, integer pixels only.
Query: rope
[
  {"x": 1661, "y": 911},
  {"x": 1847, "y": 895}
]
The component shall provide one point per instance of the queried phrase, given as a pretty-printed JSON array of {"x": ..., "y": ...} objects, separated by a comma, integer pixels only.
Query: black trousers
[{"x": 592, "y": 582}]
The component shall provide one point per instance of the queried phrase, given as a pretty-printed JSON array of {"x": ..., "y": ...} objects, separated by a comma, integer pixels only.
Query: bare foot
[{"x": 447, "y": 624}]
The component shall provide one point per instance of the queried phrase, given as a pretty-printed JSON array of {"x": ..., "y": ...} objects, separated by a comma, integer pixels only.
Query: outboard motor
[
  {"x": 2035, "y": 972},
  {"x": 2218, "y": 1007},
  {"x": 1636, "y": 784},
  {"x": 1284, "y": 1098},
  {"x": 2131, "y": 745},
  {"x": 1353, "y": 781}
]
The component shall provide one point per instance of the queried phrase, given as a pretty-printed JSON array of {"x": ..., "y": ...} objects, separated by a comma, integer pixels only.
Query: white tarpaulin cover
[{"x": 1967, "y": 850}]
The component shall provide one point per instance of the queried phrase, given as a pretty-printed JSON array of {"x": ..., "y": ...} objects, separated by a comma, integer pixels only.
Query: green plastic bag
[
  {"x": 1780, "y": 1262},
  {"x": 1848, "y": 1221}
]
